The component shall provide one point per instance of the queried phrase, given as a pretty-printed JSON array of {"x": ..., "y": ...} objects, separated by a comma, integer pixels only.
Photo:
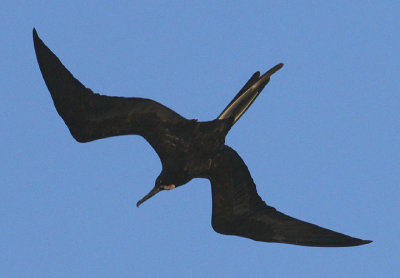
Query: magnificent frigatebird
[{"x": 187, "y": 149}]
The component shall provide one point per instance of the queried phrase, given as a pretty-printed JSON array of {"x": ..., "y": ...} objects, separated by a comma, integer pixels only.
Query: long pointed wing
[
  {"x": 91, "y": 116},
  {"x": 239, "y": 210}
]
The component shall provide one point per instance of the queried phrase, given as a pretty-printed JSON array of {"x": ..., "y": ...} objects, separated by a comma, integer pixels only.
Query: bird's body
[{"x": 187, "y": 149}]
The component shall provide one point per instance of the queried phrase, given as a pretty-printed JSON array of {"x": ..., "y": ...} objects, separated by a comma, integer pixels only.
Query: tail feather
[{"x": 247, "y": 95}]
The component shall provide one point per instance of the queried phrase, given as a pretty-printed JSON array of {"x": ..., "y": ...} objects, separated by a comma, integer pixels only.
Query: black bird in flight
[{"x": 187, "y": 149}]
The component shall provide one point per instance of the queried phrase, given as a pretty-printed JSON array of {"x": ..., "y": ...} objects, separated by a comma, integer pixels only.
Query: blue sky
[{"x": 321, "y": 142}]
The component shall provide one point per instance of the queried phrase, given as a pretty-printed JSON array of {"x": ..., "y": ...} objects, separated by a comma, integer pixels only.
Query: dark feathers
[
  {"x": 239, "y": 210},
  {"x": 187, "y": 149},
  {"x": 248, "y": 94}
]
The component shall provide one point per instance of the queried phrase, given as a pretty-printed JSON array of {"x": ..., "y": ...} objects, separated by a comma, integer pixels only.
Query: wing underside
[
  {"x": 91, "y": 116},
  {"x": 238, "y": 210}
]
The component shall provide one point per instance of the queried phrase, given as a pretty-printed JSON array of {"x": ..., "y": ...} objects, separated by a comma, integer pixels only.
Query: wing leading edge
[
  {"x": 91, "y": 116},
  {"x": 239, "y": 210}
]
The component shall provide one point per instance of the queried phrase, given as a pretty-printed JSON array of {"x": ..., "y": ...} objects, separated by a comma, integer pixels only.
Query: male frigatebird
[{"x": 187, "y": 149}]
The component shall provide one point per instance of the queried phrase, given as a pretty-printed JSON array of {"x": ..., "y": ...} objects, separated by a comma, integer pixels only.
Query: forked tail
[{"x": 247, "y": 95}]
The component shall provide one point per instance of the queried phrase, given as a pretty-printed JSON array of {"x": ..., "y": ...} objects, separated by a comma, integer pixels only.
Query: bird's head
[{"x": 165, "y": 181}]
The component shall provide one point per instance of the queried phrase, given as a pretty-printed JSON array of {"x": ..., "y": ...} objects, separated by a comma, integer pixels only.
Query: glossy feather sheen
[{"x": 187, "y": 149}]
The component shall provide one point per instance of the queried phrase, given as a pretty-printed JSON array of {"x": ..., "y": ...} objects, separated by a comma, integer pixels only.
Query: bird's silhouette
[{"x": 187, "y": 149}]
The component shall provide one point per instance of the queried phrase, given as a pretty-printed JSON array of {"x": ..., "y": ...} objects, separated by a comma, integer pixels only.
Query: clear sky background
[{"x": 322, "y": 141}]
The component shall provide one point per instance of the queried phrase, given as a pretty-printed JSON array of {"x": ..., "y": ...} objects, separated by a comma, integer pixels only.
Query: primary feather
[{"x": 187, "y": 149}]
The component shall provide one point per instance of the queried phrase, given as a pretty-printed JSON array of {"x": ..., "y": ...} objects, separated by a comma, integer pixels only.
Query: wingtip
[
  {"x": 366, "y": 242},
  {"x": 36, "y": 38},
  {"x": 335, "y": 242},
  {"x": 357, "y": 242}
]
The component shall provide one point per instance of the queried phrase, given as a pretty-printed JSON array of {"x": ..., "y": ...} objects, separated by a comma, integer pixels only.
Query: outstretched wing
[
  {"x": 91, "y": 116},
  {"x": 239, "y": 210}
]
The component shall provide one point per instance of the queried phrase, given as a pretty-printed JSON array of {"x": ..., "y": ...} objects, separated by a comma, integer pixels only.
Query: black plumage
[{"x": 187, "y": 149}]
